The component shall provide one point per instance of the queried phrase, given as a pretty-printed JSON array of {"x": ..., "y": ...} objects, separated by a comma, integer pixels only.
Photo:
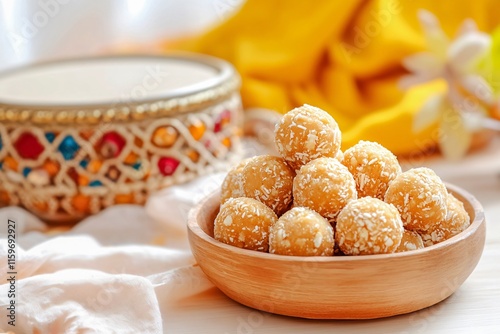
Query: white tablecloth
[{"x": 130, "y": 270}]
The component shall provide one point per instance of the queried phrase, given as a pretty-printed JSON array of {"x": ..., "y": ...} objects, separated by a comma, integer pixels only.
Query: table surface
[{"x": 475, "y": 307}]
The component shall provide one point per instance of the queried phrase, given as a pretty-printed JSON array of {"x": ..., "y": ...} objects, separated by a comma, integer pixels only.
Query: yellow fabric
[{"x": 341, "y": 55}]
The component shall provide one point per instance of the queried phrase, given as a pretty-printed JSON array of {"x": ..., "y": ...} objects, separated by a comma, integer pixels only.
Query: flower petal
[
  {"x": 473, "y": 121},
  {"x": 408, "y": 81},
  {"x": 468, "y": 26},
  {"x": 429, "y": 113},
  {"x": 479, "y": 88},
  {"x": 473, "y": 113},
  {"x": 454, "y": 138},
  {"x": 467, "y": 50},
  {"x": 491, "y": 123},
  {"x": 423, "y": 62},
  {"x": 437, "y": 41}
]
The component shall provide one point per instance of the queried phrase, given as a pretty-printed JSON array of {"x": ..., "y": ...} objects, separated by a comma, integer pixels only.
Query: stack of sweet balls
[{"x": 315, "y": 200}]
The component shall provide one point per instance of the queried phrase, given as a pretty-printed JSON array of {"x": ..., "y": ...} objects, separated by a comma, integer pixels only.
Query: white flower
[{"x": 461, "y": 109}]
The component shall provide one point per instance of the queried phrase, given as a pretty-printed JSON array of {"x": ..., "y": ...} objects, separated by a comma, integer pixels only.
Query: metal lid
[{"x": 113, "y": 88}]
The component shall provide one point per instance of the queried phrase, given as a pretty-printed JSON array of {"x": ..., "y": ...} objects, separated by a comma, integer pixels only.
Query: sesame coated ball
[
  {"x": 420, "y": 197},
  {"x": 373, "y": 167},
  {"x": 340, "y": 156},
  {"x": 269, "y": 179},
  {"x": 325, "y": 186},
  {"x": 307, "y": 133},
  {"x": 316, "y": 200},
  {"x": 456, "y": 221},
  {"x": 368, "y": 226},
  {"x": 301, "y": 232},
  {"x": 244, "y": 222},
  {"x": 232, "y": 186},
  {"x": 411, "y": 241}
]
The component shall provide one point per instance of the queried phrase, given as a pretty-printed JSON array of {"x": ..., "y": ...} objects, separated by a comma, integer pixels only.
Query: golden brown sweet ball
[
  {"x": 373, "y": 167},
  {"x": 368, "y": 226},
  {"x": 325, "y": 186},
  {"x": 411, "y": 241},
  {"x": 301, "y": 232},
  {"x": 340, "y": 156},
  {"x": 307, "y": 133},
  {"x": 244, "y": 222},
  {"x": 420, "y": 197},
  {"x": 270, "y": 180},
  {"x": 456, "y": 221},
  {"x": 232, "y": 186}
]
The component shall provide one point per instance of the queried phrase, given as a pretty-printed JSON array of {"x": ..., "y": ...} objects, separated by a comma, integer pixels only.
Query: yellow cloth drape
[{"x": 343, "y": 56}]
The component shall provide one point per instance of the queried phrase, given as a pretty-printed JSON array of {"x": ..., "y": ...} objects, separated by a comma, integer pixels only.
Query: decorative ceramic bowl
[
  {"x": 338, "y": 287},
  {"x": 80, "y": 135}
]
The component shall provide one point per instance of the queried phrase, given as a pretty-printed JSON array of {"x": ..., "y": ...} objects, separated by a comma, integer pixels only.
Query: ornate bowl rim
[{"x": 181, "y": 100}]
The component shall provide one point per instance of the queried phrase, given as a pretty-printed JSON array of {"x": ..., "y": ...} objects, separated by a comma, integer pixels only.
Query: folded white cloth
[{"x": 110, "y": 273}]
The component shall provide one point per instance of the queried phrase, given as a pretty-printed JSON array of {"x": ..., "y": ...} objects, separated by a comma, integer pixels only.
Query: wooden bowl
[{"x": 343, "y": 287}]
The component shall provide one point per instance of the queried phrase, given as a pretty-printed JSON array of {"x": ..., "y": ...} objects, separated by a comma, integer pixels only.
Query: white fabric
[
  {"x": 38, "y": 30},
  {"x": 119, "y": 271},
  {"x": 129, "y": 269},
  {"x": 110, "y": 273}
]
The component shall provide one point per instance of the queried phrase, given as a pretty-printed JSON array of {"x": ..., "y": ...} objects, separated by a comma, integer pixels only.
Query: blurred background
[
  {"x": 381, "y": 68},
  {"x": 35, "y": 30}
]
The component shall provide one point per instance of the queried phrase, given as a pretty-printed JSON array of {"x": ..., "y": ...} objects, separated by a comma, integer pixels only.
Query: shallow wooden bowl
[{"x": 343, "y": 287}]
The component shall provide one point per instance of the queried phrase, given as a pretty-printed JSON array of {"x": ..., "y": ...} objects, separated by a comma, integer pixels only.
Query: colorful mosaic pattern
[{"x": 64, "y": 174}]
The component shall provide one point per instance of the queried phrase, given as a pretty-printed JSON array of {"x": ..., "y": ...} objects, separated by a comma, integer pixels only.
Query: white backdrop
[{"x": 32, "y": 30}]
